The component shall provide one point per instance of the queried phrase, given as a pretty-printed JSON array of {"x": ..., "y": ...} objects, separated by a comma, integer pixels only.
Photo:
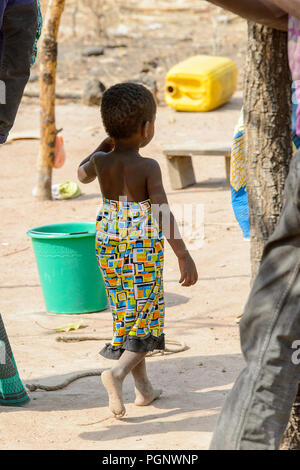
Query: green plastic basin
[{"x": 68, "y": 269}]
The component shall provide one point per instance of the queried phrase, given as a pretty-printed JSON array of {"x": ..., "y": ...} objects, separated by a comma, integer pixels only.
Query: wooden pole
[{"x": 48, "y": 60}]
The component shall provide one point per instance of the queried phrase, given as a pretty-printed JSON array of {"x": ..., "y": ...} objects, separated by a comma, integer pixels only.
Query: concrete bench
[{"x": 180, "y": 166}]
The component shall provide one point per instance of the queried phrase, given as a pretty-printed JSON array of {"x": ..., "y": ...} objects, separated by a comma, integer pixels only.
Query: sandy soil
[
  {"x": 154, "y": 39},
  {"x": 196, "y": 381}
]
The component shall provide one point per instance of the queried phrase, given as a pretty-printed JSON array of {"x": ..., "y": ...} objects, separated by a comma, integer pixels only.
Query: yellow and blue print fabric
[
  {"x": 130, "y": 254},
  {"x": 239, "y": 195}
]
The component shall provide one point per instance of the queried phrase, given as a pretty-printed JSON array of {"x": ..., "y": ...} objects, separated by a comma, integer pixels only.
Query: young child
[{"x": 129, "y": 240}]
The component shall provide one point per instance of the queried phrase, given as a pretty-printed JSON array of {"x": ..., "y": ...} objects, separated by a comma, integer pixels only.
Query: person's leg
[
  {"x": 145, "y": 394},
  {"x": 113, "y": 380},
  {"x": 18, "y": 32},
  {"x": 3, "y": 5},
  {"x": 12, "y": 391},
  {"x": 257, "y": 409}
]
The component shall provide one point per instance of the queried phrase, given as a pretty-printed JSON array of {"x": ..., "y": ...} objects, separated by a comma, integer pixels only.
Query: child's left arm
[
  {"x": 160, "y": 206},
  {"x": 87, "y": 172}
]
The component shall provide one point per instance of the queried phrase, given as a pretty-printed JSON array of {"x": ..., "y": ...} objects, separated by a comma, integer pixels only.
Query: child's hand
[
  {"x": 107, "y": 145},
  {"x": 188, "y": 270}
]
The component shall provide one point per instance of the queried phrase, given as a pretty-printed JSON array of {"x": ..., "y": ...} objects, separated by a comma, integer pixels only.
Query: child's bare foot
[
  {"x": 145, "y": 394},
  {"x": 114, "y": 389}
]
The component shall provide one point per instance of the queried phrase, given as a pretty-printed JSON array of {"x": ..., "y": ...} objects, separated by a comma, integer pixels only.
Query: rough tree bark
[
  {"x": 291, "y": 438},
  {"x": 48, "y": 60},
  {"x": 267, "y": 114}
]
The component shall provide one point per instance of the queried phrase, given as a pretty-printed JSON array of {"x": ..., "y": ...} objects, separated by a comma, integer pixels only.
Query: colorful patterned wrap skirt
[{"x": 130, "y": 254}]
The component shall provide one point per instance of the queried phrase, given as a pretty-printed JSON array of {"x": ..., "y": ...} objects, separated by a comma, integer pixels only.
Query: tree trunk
[
  {"x": 267, "y": 115},
  {"x": 291, "y": 438},
  {"x": 48, "y": 59},
  {"x": 267, "y": 109}
]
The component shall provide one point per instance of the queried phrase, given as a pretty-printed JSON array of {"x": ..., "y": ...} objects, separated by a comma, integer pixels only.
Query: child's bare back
[{"x": 123, "y": 175}]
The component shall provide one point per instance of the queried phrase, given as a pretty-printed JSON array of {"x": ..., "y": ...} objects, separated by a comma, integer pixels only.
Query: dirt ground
[{"x": 194, "y": 382}]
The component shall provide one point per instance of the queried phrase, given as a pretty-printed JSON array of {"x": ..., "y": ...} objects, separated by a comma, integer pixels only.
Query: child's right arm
[
  {"x": 86, "y": 171},
  {"x": 158, "y": 197}
]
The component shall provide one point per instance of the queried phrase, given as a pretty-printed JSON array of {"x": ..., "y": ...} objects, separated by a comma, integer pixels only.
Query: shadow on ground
[{"x": 193, "y": 376}]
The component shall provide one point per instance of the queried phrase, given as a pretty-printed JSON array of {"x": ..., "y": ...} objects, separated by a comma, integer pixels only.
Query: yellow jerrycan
[{"x": 201, "y": 83}]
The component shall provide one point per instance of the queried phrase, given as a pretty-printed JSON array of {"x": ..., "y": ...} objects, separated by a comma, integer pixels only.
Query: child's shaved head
[{"x": 125, "y": 107}]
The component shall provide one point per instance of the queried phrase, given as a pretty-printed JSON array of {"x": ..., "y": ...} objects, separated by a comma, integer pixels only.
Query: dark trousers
[
  {"x": 18, "y": 27},
  {"x": 257, "y": 410}
]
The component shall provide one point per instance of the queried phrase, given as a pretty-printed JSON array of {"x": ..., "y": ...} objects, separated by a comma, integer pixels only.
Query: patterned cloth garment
[
  {"x": 294, "y": 60},
  {"x": 130, "y": 254},
  {"x": 12, "y": 391},
  {"x": 239, "y": 197},
  {"x": 38, "y": 34}
]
